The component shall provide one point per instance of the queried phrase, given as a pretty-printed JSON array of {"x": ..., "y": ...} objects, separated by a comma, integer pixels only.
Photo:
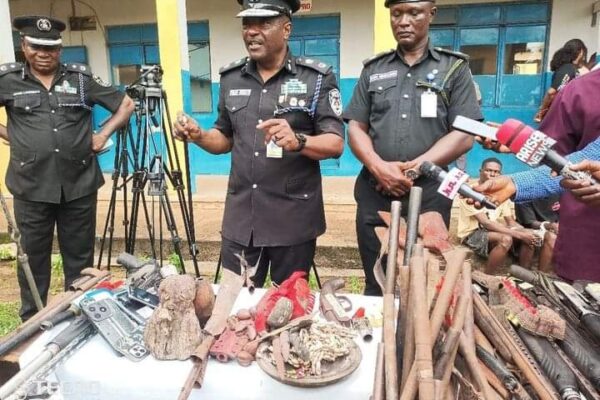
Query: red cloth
[
  {"x": 294, "y": 288},
  {"x": 574, "y": 121}
]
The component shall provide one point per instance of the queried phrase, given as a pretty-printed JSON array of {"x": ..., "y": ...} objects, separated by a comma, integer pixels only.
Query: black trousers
[
  {"x": 282, "y": 260},
  {"x": 369, "y": 202},
  {"x": 75, "y": 223}
]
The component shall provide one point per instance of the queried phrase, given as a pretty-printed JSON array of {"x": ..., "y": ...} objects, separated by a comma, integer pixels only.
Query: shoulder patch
[
  {"x": 317, "y": 65},
  {"x": 233, "y": 65},
  {"x": 452, "y": 53},
  {"x": 79, "y": 68},
  {"x": 100, "y": 81},
  {"x": 10, "y": 67},
  {"x": 378, "y": 56}
]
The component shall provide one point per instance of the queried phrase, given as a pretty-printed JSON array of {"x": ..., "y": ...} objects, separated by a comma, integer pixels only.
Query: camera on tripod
[
  {"x": 146, "y": 145},
  {"x": 147, "y": 88}
]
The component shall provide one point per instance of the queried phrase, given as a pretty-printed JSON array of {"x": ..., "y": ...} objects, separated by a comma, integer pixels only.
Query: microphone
[
  {"x": 529, "y": 145},
  {"x": 453, "y": 182},
  {"x": 534, "y": 148}
]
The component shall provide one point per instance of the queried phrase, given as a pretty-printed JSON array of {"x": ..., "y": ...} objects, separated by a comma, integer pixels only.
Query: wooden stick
[
  {"x": 494, "y": 382},
  {"x": 402, "y": 318},
  {"x": 433, "y": 278},
  {"x": 455, "y": 259},
  {"x": 443, "y": 370},
  {"x": 389, "y": 308},
  {"x": 423, "y": 342},
  {"x": 379, "y": 382},
  {"x": 483, "y": 341}
]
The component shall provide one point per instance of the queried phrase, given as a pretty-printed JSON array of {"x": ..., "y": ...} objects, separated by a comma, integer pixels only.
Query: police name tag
[
  {"x": 429, "y": 105},
  {"x": 274, "y": 151}
]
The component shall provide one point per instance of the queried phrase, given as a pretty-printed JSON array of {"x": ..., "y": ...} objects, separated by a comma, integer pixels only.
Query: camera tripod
[{"x": 150, "y": 153}]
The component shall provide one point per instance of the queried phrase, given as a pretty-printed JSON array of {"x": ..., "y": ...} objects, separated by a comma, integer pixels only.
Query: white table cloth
[{"x": 95, "y": 372}]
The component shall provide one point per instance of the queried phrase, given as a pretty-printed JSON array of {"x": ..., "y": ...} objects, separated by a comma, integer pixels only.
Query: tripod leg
[
  {"x": 188, "y": 222},
  {"x": 218, "y": 270},
  {"x": 314, "y": 267},
  {"x": 187, "y": 208},
  {"x": 170, "y": 221},
  {"x": 109, "y": 225}
]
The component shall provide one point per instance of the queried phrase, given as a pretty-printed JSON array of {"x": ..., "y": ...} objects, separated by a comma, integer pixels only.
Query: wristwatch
[{"x": 301, "y": 138}]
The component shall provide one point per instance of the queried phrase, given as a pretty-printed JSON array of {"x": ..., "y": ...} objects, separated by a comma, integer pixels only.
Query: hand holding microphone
[
  {"x": 453, "y": 183},
  {"x": 583, "y": 190},
  {"x": 530, "y": 146}
]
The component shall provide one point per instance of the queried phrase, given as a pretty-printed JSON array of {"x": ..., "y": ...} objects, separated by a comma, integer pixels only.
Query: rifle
[
  {"x": 331, "y": 305},
  {"x": 22, "y": 259},
  {"x": 580, "y": 355},
  {"x": 588, "y": 318},
  {"x": 89, "y": 278},
  {"x": 58, "y": 349}
]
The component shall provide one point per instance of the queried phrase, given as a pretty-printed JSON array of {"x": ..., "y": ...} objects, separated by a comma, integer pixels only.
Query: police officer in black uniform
[
  {"x": 278, "y": 116},
  {"x": 53, "y": 173},
  {"x": 400, "y": 115}
]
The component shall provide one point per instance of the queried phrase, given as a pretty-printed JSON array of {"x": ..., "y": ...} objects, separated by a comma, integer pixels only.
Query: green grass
[
  {"x": 9, "y": 317},
  {"x": 176, "y": 261},
  {"x": 355, "y": 285},
  {"x": 6, "y": 254},
  {"x": 57, "y": 264}
]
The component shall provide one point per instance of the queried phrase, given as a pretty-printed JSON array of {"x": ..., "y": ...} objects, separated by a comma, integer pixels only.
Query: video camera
[{"x": 148, "y": 86}]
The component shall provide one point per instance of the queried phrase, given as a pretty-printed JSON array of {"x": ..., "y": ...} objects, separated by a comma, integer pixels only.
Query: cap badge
[{"x": 44, "y": 25}]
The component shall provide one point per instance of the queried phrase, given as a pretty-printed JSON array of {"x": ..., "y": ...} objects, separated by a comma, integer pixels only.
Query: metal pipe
[{"x": 412, "y": 221}]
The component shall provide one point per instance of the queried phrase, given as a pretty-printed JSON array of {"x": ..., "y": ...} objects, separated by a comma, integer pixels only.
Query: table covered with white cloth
[{"x": 96, "y": 372}]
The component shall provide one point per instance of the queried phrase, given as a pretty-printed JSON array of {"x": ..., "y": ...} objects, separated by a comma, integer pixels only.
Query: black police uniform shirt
[
  {"x": 275, "y": 201},
  {"x": 388, "y": 99},
  {"x": 51, "y": 131}
]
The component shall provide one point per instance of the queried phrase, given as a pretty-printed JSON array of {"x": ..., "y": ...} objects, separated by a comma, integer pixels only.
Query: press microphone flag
[
  {"x": 453, "y": 183},
  {"x": 529, "y": 145}
]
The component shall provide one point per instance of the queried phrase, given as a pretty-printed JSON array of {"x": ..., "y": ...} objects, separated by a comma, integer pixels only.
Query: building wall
[
  {"x": 226, "y": 43},
  {"x": 573, "y": 19},
  {"x": 569, "y": 19}
]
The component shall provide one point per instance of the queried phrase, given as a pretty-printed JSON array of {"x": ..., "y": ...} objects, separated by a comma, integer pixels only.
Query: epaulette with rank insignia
[
  {"x": 378, "y": 56},
  {"x": 80, "y": 68},
  {"x": 452, "y": 53},
  {"x": 231, "y": 66},
  {"x": 317, "y": 65},
  {"x": 10, "y": 67}
]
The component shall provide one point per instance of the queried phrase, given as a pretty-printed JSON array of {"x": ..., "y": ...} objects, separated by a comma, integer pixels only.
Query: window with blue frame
[
  {"x": 132, "y": 46},
  {"x": 318, "y": 37},
  {"x": 199, "y": 55},
  {"x": 506, "y": 43}
]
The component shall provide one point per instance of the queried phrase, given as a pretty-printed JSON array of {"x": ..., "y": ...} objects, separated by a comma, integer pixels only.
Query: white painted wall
[
  {"x": 6, "y": 45},
  {"x": 356, "y": 17},
  {"x": 109, "y": 12},
  {"x": 226, "y": 44},
  {"x": 569, "y": 19},
  {"x": 573, "y": 19}
]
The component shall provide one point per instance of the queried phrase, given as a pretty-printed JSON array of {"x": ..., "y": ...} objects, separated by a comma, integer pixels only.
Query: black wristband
[{"x": 301, "y": 138}]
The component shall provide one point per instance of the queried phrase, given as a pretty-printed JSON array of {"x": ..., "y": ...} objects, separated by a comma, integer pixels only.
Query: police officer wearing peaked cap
[
  {"x": 278, "y": 116},
  {"x": 400, "y": 115},
  {"x": 41, "y": 31},
  {"x": 53, "y": 173}
]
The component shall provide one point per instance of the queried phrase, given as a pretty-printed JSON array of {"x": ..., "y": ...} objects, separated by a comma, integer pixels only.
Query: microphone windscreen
[{"x": 514, "y": 134}]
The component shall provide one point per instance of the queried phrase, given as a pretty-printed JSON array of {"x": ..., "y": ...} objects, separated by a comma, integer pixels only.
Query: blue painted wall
[{"x": 505, "y": 95}]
